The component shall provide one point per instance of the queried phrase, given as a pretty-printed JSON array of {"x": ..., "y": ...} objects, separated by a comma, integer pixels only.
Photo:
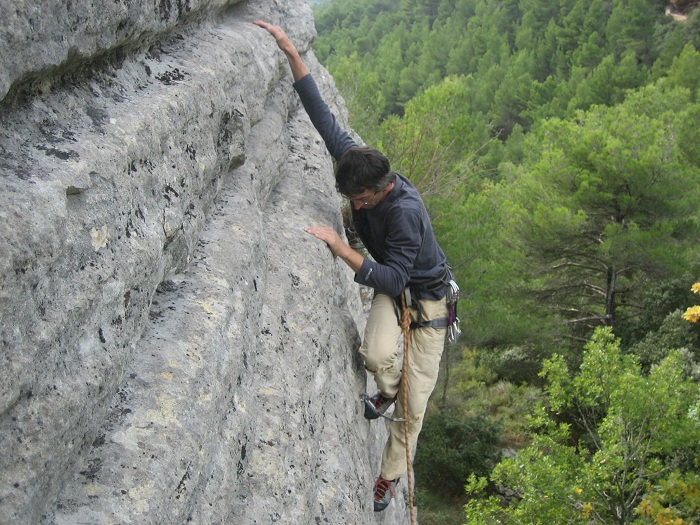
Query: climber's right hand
[
  {"x": 299, "y": 69},
  {"x": 283, "y": 41}
]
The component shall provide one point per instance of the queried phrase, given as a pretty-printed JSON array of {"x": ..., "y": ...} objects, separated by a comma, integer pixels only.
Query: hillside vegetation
[{"x": 558, "y": 149}]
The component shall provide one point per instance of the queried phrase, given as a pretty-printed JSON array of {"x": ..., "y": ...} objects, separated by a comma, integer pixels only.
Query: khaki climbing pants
[{"x": 380, "y": 351}]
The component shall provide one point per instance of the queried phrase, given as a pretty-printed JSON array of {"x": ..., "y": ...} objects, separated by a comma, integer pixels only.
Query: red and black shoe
[{"x": 384, "y": 490}]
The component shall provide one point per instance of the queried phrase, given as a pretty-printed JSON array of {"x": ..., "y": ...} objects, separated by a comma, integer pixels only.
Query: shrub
[{"x": 450, "y": 449}]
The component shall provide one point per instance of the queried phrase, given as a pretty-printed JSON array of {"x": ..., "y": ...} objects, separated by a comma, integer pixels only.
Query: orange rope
[{"x": 405, "y": 324}]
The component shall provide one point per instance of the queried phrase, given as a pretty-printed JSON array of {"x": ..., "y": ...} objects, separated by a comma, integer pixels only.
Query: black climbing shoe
[
  {"x": 376, "y": 405},
  {"x": 384, "y": 490}
]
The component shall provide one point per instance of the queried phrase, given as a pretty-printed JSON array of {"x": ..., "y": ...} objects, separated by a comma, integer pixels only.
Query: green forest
[{"x": 557, "y": 147}]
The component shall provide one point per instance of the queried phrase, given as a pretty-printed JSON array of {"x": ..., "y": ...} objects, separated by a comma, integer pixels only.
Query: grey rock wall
[{"x": 174, "y": 347}]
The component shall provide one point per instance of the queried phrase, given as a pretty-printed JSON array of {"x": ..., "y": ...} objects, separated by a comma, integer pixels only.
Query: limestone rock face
[{"x": 175, "y": 348}]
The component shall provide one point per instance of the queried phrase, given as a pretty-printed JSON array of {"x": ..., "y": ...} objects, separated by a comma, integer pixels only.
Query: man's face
[{"x": 367, "y": 199}]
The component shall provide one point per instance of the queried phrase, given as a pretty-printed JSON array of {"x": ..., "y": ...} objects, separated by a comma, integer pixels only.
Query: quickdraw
[{"x": 453, "y": 329}]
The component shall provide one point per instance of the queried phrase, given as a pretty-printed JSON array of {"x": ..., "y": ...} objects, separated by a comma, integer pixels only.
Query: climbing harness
[
  {"x": 406, "y": 326},
  {"x": 451, "y": 322}
]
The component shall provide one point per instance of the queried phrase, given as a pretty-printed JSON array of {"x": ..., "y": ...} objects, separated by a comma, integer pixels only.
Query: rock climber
[{"x": 392, "y": 223}]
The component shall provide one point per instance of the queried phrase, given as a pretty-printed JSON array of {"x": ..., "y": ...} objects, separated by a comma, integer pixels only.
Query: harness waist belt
[
  {"x": 433, "y": 323},
  {"x": 435, "y": 284}
]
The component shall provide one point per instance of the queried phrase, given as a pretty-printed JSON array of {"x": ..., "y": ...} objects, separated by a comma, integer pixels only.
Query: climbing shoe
[
  {"x": 384, "y": 490},
  {"x": 376, "y": 405}
]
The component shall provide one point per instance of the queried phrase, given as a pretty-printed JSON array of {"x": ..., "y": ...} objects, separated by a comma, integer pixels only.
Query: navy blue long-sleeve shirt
[{"x": 397, "y": 231}]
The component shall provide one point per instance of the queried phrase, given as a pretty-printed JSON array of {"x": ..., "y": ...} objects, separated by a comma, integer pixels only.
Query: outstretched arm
[
  {"x": 337, "y": 140},
  {"x": 299, "y": 69}
]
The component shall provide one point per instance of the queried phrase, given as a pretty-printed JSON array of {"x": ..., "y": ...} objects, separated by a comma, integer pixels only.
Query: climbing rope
[{"x": 405, "y": 325}]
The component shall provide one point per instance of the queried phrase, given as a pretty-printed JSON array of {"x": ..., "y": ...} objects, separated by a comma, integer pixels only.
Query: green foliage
[
  {"x": 471, "y": 389},
  {"x": 581, "y": 206},
  {"x": 516, "y": 363},
  {"x": 674, "y": 333},
  {"x": 363, "y": 97},
  {"x": 429, "y": 143},
  {"x": 512, "y": 49},
  {"x": 636, "y": 430},
  {"x": 631, "y": 28},
  {"x": 493, "y": 307},
  {"x": 467, "y": 395},
  {"x": 685, "y": 71},
  {"x": 675, "y": 500},
  {"x": 660, "y": 327},
  {"x": 435, "y": 508},
  {"x": 451, "y": 448},
  {"x": 659, "y": 299}
]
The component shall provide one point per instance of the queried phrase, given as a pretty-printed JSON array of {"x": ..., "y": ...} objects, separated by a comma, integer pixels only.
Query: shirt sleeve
[
  {"x": 403, "y": 242},
  {"x": 337, "y": 140}
]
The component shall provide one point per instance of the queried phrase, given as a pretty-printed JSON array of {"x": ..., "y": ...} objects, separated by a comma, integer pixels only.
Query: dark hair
[{"x": 362, "y": 168}]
